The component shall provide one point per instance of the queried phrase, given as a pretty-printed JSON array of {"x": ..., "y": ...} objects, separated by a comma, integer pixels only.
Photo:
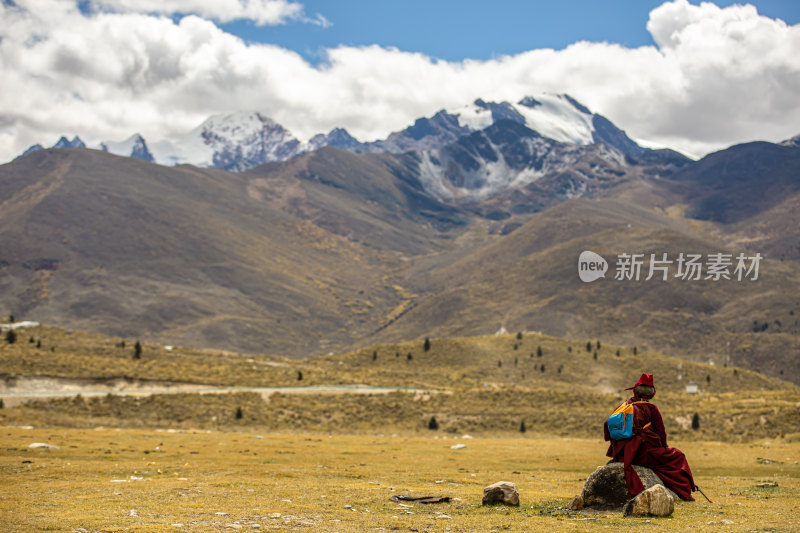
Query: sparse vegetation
[
  {"x": 11, "y": 336},
  {"x": 695, "y": 421},
  {"x": 137, "y": 350},
  {"x": 433, "y": 424},
  {"x": 426, "y": 345}
]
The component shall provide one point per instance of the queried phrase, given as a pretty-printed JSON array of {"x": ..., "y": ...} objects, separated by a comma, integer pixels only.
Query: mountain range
[
  {"x": 239, "y": 141},
  {"x": 464, "y": 223}
]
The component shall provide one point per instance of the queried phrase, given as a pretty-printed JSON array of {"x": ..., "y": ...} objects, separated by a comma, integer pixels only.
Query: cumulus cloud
[
  {"x": 262, "y": 12},
  {"x": 716, "y": 77}
]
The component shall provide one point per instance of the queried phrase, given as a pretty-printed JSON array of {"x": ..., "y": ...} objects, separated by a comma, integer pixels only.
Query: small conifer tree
[
  {"x": 538, "y": 351},
  {"x": 499, "y": 364},
  {"x": 617, "y": 352},
  {"x": 433, "y": 424},
  {"x": 696, "y": 422},
  {"x": 427, "y": 345},
  {"x": 409, "y": 356},
  {"x": 598, "y": 345},
  {"x": 522, "y": 428},
  {"x": 595, "y": 356},
  {"x": 569, "y": 349},
  {"x": 519, "y": 336},
  {"x": 38, "y": 343},
  {"x": 11, "y": 336},
  {"x": 542, "y": 367},
  {"x": 239, "y": 413},
  {"x": 299, "y": 375},
  {"x": 708, "y": 378},
  {"x": 375, "y": 355},
  {"x": 11, "y": 317},
  {"x": 589, "y": 346},
  {"x": 635, "y": 350},
  {"x": 137, "y": 350}
]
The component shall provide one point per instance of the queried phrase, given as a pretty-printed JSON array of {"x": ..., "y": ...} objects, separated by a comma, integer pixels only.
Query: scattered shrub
[
  {"x": 522, "y": 427},
  {"x": 137, "y": 350},
  {"x": 427, "y": 345},
  {"x": 11, "y": 336},
  {"x": 433, "y": 424},
  {"x": 696, "y": 421}
]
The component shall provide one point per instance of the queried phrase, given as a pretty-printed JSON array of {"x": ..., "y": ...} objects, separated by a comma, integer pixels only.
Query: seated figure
[{"x": 648, "y": 446}]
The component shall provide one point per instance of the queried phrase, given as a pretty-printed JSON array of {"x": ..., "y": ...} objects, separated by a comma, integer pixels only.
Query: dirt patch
[{"x": 17, "y": 390}]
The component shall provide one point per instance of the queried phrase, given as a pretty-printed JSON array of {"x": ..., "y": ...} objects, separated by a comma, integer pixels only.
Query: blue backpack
[{"x": 620, "y": 423}]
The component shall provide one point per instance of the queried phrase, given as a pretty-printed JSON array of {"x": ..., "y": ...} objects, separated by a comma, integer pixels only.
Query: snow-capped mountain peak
[
  {"x": 558, "y": 117},
  {"x": 134, "y": 146},
  {"x": 231, "y": 141}
]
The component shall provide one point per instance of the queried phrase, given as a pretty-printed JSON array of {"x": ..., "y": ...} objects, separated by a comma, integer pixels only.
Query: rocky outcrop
[{"x": 605, "y": 488}]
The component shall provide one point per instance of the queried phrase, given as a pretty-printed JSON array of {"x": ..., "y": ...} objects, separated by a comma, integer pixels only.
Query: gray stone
[
  {"x": 605, "y": 488},
  {"x": 503, "y": 492},
  {"x": 655, "y": 501}
]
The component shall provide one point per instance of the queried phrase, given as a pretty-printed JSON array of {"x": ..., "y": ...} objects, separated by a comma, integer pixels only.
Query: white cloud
[
  {"x": 717, "y": 77},
  {"x": 262, "y": 12}
]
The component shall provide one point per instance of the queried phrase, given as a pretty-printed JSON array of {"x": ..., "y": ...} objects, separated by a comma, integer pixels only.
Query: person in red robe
[{"x": 648, "y": 446}]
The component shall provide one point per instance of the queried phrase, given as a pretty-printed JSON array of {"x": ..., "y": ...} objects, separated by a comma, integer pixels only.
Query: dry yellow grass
[{"x": 148, "y": 480}]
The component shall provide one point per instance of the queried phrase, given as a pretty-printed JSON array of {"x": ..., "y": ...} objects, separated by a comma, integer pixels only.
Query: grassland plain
[
  {"x": 149, "y": 480},
  {"x": 321, "y": 462},
  {"x": 481, "y": 384}
]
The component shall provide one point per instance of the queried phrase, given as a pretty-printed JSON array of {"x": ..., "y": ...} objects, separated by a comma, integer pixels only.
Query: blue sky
[
  {"x": 474, "y": 29},
  {"x": 692, "y": 76}
]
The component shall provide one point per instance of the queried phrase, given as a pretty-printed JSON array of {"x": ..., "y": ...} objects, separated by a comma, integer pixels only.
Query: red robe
[{"x": 648, "y": 447}]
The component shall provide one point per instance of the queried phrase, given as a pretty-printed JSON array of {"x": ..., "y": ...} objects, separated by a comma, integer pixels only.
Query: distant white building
[{"x": 691, "y": 388}]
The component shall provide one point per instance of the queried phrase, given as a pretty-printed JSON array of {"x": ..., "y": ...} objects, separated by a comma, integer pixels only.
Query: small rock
[
  {"x": 767, "y": 484},
  {"x": 43, "y": 446},
  {"x": 458, "y": 446},
  {"x": 654, "y": 501},
  {"x": 348, "y": 506},
  {"x": 503, "y": 492},
  {"x": 275, "y": 515},
  {"x": 728, "y": 522},
  {"x": 133, "y": 513},
  {"x": 221, "y": 514},
  {"x": 576, "y": 504},
  {"x": 442, "y": 517}
]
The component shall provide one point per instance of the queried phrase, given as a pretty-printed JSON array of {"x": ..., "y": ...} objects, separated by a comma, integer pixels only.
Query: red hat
[{"x": 646, "y": 379}]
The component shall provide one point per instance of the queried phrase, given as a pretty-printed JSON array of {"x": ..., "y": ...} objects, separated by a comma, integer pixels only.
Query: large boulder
[
  {"x": 503, "y": 492},
  {"x": 605, "y": 489},
  {"x": 654, "y": 501}
]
